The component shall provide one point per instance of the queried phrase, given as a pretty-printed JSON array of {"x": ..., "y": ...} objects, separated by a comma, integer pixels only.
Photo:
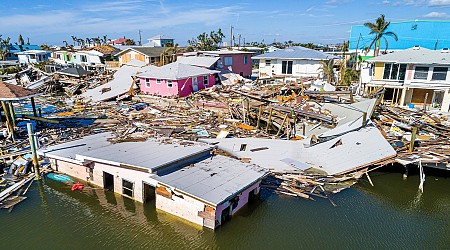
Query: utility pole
[
  {"x": 239, "y": 46},
  {"x": 140, "y": 37},
  {"x": 231, "y": 36}
]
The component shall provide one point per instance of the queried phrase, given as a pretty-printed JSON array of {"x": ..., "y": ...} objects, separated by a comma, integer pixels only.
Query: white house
[
  {"x": 33, "y": 56},
  {"x": 295, "y": 62},
  {"x": 158, "y": 41},
  {"x": 89, "y": 60},
  {"x": 411, "y": 76}
]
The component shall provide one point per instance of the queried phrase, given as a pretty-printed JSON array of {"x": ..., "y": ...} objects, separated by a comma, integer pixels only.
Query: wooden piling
[
  {"x": 282, "y": 124},
  {"x": 258, "y": 123},
  {"x": 413, "y": 138},
  {"x": 33, "y": 150},
  {"x": 12, "y": 114},
  {"x": 269, "y": 120},
  {"x": 8, "y": 119},
  {"x": 425, "y": 102}
]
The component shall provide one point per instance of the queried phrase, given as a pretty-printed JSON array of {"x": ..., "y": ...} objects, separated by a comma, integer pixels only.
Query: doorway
[
  {"x": 108, "y": 181},
  {"x": 148, "y": 192},
  {"x": 194, "y": 84}
]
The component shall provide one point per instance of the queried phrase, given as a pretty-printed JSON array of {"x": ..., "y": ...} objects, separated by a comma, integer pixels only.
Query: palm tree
[
  {"x": 327, "y": 70},
  {"x": 66, "y": 44},
  {"x": 74, "y": 38},
  {"x": 379, "y": 29},
  {"x": 5, "y": 47},
  {"x": 21, "y": 42},
  {"x": 88, "y": 41}
]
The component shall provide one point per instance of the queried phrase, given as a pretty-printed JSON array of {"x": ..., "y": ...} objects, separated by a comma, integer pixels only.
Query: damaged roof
[
  {"x": 214, "y": 180},
  {"x": 10, "y": 92}
]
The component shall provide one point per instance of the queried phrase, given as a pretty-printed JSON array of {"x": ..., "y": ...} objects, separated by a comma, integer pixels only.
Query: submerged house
[
  {"x": 176, "y": 79},
  {"x": 33, "y": 56},
  {"x": 183, "y": 177},
  {"x": 293, "y": 62},
  {"x": 411, "y": 76}
]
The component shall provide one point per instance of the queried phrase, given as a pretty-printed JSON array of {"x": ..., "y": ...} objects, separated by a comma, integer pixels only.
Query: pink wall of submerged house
[{"x": 180, "y": 88}]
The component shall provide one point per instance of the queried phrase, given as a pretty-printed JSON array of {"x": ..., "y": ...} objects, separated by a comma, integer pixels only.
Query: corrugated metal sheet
[
  {"x": 296, "y": 53},
  {"x": 415, "y": 55}
]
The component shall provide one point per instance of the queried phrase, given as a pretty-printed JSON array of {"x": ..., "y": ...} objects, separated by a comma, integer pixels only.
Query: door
[
  {"x": 194, "y": 84},
  {"x": 108, "y": 181}
]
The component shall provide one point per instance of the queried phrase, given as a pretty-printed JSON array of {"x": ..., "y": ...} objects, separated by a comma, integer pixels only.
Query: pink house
[
  {"x": 176, "y": 79},
  {"x": 237, "y": 61}
]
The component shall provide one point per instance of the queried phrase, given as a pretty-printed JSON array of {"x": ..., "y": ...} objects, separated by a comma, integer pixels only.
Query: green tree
[
  {"x": 4, "y": 47},
  {"x": 379, "y": 29},
  {"x": 130, "y": 42},
  {"x": 207, "y": 42},
  {"x": 45, "y": 46},
  {"x": 21, "y": 42}
]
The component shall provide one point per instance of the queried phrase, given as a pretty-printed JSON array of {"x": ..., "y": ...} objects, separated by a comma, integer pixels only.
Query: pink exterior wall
[
  {"x": 159, "y": 89},
  {"x": 180, "y": 88},
  {"x": 238, "y": 63},
  {"x": 243, "y": 199}
]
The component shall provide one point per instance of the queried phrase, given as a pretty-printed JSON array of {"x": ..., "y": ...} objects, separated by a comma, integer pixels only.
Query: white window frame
[
  {"x": 420, "y": 79},
  {"x": 287, "y": 67},
  {"x": 158, "y": 81},
  {"x": 85, "y": 58},
  {"x": 398, "y": 71},
  {"x": 228, "y": 61},
  {"x": 245, "y": 59},
  {"x": 147, "y": 82},
  {"x": 268, "y": 62},
  {"x": 206, "y": 80},
  {"x": 132, "y": 188},
  {"x": 169, "y": 82},
  {"x": 438, "y": 80}
]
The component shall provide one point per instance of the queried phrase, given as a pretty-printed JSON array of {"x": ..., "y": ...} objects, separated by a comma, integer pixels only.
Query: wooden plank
[{"x": 163, "y": 192}]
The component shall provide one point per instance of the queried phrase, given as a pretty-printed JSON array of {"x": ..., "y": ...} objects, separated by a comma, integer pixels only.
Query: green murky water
[{"x": 390, "y": 215}]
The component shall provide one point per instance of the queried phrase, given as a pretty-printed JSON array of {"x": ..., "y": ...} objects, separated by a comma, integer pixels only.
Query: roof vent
[
  {"x": 416, "y": 47},
  {"x": 445, "y": 50}
]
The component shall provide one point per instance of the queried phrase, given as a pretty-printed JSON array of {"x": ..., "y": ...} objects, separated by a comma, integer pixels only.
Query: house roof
[
  {"x": 34, "y": 51},
  {"x": 415, "y": 55},
  {"x": 118, "y": 41},
  {"x": 201, "y": 61},
  {"x": 90, "y": 52},
  {"x": 13, "y": 48},
  {"x": 148, "y": 51},
  {"x": 74, "y": 71},
  {"x": 147, "y": 155},
  {"x": 119, "y": 86},
  {"x": 105, "y": 49},
  {"x": 176, "y": 71},
  {"x": 296, "y": 52},
  {"x": 160, "y": 37},
  {"x": 10, "y": 92},
  {"x": 214, "y": 180}
]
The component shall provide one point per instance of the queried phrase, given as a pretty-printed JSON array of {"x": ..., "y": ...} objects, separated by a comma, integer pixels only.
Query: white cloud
[
  {"x": 439, "y": 3},
  {"x": 436, "y": 15}
]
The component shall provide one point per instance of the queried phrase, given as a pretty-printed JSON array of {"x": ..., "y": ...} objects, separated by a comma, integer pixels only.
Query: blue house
[
  {"x": 434, "y": 35},
  {"x": 13, "y": 49}
]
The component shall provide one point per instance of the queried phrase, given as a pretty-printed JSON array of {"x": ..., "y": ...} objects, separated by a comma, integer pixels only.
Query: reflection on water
[{"x": 391, "y": 214}]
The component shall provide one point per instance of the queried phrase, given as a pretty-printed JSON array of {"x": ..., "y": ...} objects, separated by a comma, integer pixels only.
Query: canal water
[{"x": 393, "y": 214}]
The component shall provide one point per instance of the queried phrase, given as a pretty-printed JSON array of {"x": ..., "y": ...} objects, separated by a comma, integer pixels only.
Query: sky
[{"x": 317, "y": 21}]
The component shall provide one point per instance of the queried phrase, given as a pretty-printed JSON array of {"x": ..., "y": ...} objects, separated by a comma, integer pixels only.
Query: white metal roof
[
  {"x": 201, "y": 61},
  {"x": 176, "y": 71},
  {"x": 214, "y": 180},
  {"x": 416, "y": 55},
  {"x": 151, "y": 154}
]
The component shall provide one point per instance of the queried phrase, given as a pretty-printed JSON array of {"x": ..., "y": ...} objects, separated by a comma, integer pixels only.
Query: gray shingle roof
[
  {"x": 415, "y": 55},
  {"x": 297, "y": 52},
  {"x": 176, "y": 71}
]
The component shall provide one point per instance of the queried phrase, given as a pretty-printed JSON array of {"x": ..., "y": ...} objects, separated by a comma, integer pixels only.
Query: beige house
[
  {"x": 411, "y": 76},
  {"x": 148, "y": 55}
]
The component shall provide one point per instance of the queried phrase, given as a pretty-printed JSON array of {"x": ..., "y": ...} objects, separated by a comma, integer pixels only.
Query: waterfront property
[
  {"x": 13, "y": 49},
  {"x": 293, "y": 62},
  {"x": 188, "y": 181},
  {"x": 176, "y": 79},
  {"x": 148, "y": 55},
  {"x": 411, "y": 76},
  {"x": 33, "y": 56}
]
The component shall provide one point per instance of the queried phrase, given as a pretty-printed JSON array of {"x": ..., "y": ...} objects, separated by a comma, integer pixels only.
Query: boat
[{"x": 60, "y": 177}]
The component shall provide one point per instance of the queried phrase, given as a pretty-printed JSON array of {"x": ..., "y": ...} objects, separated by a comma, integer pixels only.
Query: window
[
  {"x": 286, "y": 67},
  {"x": 169, "y": 84},
  {"x": 205, "y": 80},
  {"x": 83, "y": 58},
  {"x": 245, "y": 59},
  {"x": 32, "y": 56},
  {"x": 421, "y": 73},
  {"x": 147, "y": 82},
  {"x": 127, "y": 188},
  {"x": 268, "y": 62},
  {"x": 394, "y": 71},
  {"x": 439, "y": 74},
  {"x": 228, "y": 61},
  {"x": 158, "y": 81}
]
